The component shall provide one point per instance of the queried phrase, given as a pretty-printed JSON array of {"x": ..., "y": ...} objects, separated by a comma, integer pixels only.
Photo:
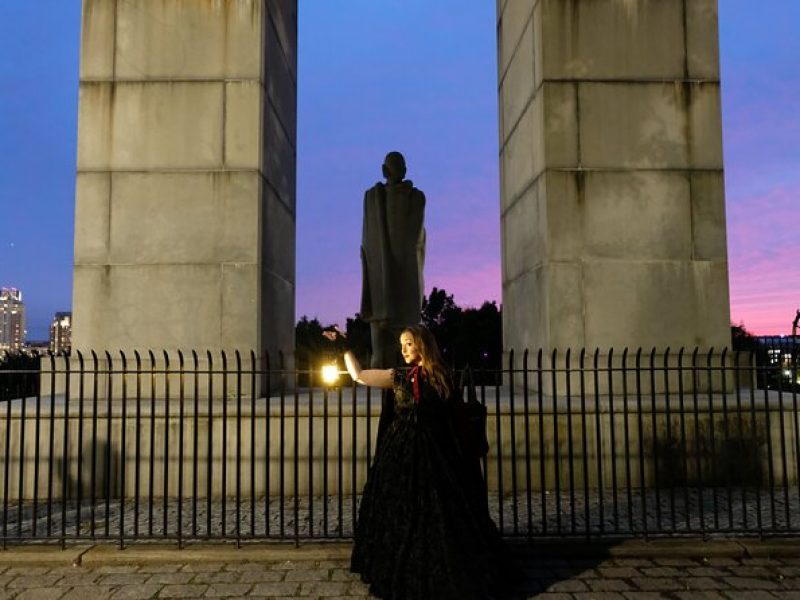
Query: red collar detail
[{"x": 414, "y": 375}]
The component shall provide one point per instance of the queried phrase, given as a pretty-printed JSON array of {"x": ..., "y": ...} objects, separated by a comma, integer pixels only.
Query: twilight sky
[{"x": 416, "y": 76}]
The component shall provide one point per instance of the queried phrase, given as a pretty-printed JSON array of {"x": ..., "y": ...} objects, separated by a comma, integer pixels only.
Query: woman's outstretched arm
[{"x": 381, "y": 378}]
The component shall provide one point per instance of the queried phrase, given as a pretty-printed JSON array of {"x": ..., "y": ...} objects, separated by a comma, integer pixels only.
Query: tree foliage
[
  {"x": 315, "y": 345},
  {"x": 359, "y": 340},
  {"x": 471, "y": 336},
  {"x": 741, "y": 339},
  {"x": 21, "y": 377}
]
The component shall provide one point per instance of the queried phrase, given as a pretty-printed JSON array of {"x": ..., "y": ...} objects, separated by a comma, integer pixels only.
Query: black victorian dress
[{"x": 423, "y": 532}]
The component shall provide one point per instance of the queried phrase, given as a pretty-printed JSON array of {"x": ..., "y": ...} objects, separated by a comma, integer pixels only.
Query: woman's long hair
[{"x": 433, "y": 366}]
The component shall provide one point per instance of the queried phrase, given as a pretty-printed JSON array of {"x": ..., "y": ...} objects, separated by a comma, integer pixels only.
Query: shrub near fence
[
  {"x": 581, "y": 444},
  {"x": 19, "y": 375}
]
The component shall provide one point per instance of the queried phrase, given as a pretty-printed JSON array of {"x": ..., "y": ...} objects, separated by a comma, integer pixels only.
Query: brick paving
[{"x": 549, "y": 579}]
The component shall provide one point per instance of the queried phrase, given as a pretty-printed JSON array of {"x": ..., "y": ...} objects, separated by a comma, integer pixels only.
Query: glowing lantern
[{"x": 330, "y": 374}]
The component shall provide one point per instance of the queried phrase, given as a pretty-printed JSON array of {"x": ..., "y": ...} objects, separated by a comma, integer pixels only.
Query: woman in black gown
[{"x": 423, "y": 532}]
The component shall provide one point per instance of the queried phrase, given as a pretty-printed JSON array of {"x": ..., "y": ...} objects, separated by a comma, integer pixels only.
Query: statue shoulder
[{"x": 376, "y": 191}]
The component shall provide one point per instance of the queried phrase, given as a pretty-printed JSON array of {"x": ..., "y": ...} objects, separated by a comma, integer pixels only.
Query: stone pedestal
[
  {"x": 613, "y": 213},
  {"x": 185, "y": 202}
]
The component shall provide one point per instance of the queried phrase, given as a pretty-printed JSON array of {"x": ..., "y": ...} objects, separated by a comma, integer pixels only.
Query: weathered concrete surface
[
  {"x": 185, "y": 207},
  {"x": 664, "y": 445},
  {"x": 612, "y": 195}
]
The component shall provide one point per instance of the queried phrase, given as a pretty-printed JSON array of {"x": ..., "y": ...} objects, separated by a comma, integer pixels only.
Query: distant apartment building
[
  {"x": 12, "y": 319},
  {"x": 781, "y": 350},
  {"x": 61, "y": 332}
]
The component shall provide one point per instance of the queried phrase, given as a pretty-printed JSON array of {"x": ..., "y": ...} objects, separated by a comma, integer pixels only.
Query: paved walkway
[{"x": 631, "y": 571}]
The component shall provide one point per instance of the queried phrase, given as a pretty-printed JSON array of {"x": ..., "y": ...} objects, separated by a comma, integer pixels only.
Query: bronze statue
[{"x": 392, "y": 259}]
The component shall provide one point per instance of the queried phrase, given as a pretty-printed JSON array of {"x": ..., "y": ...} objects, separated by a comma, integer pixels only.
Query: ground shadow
[{"x": 552, "y": 565}]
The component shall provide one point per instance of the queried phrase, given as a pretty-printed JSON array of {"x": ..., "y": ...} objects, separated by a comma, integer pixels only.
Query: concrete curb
[
  {"x": 666, "y": 548},
  {"x": 43, "y": 555},
  {"x": 633, "y": 549},
  {"x": 205, "y": 553},
  {"x": 777, "y": 548},
  {"x": 107, "y": 554}
]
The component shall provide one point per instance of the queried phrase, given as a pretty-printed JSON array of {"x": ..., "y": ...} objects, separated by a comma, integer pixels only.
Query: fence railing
[{"x": 161, "y": 446}]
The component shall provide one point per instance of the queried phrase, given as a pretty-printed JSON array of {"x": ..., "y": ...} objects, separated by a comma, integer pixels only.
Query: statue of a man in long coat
[{"x": 392, "y": 258}]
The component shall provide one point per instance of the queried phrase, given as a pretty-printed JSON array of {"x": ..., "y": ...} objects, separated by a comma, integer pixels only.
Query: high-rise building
[
  {"x": 61, "y": 332},
  {"x": 12, "y": 319}
]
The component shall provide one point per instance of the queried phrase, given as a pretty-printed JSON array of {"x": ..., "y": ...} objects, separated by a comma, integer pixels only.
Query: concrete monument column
[
  {"x": 613, "y": 214},
  {"x": 185, "y": 202}
]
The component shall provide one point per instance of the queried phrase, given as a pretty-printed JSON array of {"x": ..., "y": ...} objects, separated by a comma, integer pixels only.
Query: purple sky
[{"x": 417, "y": 76}]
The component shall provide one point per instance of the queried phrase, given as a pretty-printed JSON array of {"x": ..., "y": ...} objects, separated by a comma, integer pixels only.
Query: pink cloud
[
  {"x": 471, "y": 287},
  {"x": 764, "y": 263},
  {"x": 329, "y": 299},
  {"x": 463, "y": 257}
]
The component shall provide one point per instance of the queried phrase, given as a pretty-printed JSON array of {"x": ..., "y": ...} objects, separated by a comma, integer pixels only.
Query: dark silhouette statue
[{"x": 392, "y": 258}]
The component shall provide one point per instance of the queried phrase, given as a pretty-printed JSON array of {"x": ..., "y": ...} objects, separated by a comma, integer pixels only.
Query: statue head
[{"x": 394, "y": 167}]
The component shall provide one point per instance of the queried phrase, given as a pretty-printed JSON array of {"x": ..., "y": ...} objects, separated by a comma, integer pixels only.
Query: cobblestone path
[
  {"x": 631, "y": 514},
  {"x": 550, "y": 579}
]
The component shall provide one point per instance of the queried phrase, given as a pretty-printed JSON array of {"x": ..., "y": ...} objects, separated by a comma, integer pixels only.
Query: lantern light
[{"x": 330, "y": 374}]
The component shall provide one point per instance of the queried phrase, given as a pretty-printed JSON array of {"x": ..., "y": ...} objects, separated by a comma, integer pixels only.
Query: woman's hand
[{"x": 381, "y": 378}]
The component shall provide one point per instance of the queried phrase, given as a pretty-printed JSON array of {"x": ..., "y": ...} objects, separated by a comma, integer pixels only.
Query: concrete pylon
[
  {"x": 613, "y": 212},
  {"x": 185, "y": 202}
]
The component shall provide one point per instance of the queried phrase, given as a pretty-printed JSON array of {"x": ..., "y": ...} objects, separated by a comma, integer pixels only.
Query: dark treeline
[
  {"x": 466, "y": 336},
  {"x": 742, "y": 340},
  {"x": 14, "y": 384}
]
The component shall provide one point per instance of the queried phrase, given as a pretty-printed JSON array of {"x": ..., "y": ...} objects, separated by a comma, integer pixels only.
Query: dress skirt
[{"x": 423, "y": 529}]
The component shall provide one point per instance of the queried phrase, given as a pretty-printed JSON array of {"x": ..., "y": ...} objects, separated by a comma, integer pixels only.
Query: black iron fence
[{"x": 168, "y": 446}]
